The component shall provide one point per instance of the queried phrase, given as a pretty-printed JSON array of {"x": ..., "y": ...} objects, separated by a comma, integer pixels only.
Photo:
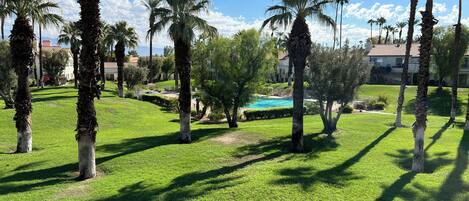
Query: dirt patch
[
  {"x": 237, "y": 138},
  {"x": 78, "y": 189}
]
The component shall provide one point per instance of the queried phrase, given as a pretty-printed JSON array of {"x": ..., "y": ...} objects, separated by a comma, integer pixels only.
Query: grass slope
[{"x": 138, "y": 158}]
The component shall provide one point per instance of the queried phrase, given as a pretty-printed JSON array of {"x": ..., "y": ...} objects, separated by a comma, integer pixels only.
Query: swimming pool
[{"x": 262, "y": 103}]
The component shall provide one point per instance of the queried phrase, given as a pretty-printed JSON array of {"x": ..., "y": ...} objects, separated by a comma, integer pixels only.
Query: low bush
[
  {"x": 171, "y": 103},
  {"x": 384, "y": 99},
  {"x": 311, "y": 108},
  {"x": 347, "y": 110},
  {"x": 130, "y": 94},
  {"x": 216, "y": 114}
]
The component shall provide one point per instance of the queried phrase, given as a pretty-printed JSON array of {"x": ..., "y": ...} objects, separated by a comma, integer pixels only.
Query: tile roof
[{"x": 393, "y": 50}]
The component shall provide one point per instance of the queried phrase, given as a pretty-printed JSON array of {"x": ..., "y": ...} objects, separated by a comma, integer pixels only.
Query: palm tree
[
  {"x": 381, "y": 21},
  {"x": 152, "y": 6},
  {"x": 21, "y": 46},
  {"x": 371, "y": 22},
  {"x": 423, "y": 77},
  {"x": 299, "y": 46},
  {"x": 103, "y": 50},
  {"x": 44, "y": 19},
  {"x": 405, "y": 68},
  {"x": 455, "y": 63},
  {"x": 71, "y": 35},
  {"x": 182, "y": 18},
  {"x": 341, "y": 2},
  {"x": 87, "y": 122},
  {"x": 4, "y": 13},
  {"x": 388, "y": 29},
  {"x": 400, "y": 26},
  {"x": 124, "y": 36}
]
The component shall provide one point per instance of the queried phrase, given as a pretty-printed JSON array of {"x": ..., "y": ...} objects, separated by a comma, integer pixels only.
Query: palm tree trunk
[
  {"x": 150, "y": 61},
  {"x": 335, "y": 28},
  {"x": 299, "y": 48},
  {"x": 87, "y": 122},
  {"x": 380, "y": 32},
  {"x": 2, "y": 26},
  {"x": 120, "y": 54},
  {"x": 386, "y": 38},
  {"x": 102, "y": 70},
  {"x": 22, "y": 53},
  {"x": 176, "y": 79},
  {"x": 456, "y": 65},
  {"x": 422, "y": 90},
  {"x": 183, "y": 66},
  {"x": 405, "y": 68},
  {"x": 41, "y": 83},
  {"x": 371, "y": 33},
  {"x": 75, "y": 68},
  {"x": 400, "y": 37},
  {"x": 290, "y": 69},
  {"x": 341, "y": 17}
]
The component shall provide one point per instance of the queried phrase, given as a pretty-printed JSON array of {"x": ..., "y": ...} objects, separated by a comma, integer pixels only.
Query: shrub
[
  {"x": 311, "y": 108},
  {"x": 359, "y": 105},
  {"x": 384, "y": 99},
  {"x": 378, "y": 105},
  {"x": 134, "y": 75},
  {"x": 268, "y": 113},
  {"x": 171, "y": 103},
  {"x": 130, "y": 94},
  {"x": 347, "y": 110},
  {"x": 216, "y": 114}
]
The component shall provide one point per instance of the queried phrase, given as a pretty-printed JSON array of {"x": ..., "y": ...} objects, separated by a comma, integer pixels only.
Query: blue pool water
[{"x": 263, "y": 103}]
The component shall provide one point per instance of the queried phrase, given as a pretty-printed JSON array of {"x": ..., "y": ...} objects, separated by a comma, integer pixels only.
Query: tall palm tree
[
  {"x": 87, "y": 122},
  {"x": 103, "y": 50},
  {"x": 70, "y": 35},
  {"x": 124, "y": 36},
  {"x": 4, "y": 13},
  {"x": 381, "y": 21},
  {"x": 371, "y": 22},
  {"x": 400, "y": 26},
  {"x": 182, "y": 18},
  {"x": 405, "y": 68},
  {"x": 341, "y": 2},
  {"x": 456, "y": 63},
  {"x": 423, "y": 77},
  {"x": 21, "y": 46},
  {"x": 299, "y": 47},
  {"x": 152, "y": 6},
  {"x": 388, "y": 29},
  {"x": 44, "y": 19}
]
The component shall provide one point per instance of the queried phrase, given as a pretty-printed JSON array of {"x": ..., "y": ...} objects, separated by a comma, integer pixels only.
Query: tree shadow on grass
[
  {"x": 56, "y": 98},
  {"x": 439, "y": 103},
  {"x": 337, "y": 175},
  {"x": 195, "y": 184},
  {"x": 64, "y": 173},
  {"x": 403, "y": 159}
]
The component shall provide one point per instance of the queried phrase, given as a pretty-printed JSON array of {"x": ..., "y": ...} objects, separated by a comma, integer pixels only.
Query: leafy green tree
[
  {"x": 70, "y": 35},
  {"x": 134, "y": 75},
  {"x": 230, "y": 70},
  {"x": 154, "y": 70},
  {"x": 441, "y": 48},
  {"x": 7, "y": 75},
  {"x": 167, "y": 66},
  {"x": 181, "y": 16},
  {"x": 334, "y": 78},
  {"x": 299, "y": 46},
  {"x": 124, "y": 36},
  {"x": 54, "y": 64},
  {"x": 89, "y": 59}
]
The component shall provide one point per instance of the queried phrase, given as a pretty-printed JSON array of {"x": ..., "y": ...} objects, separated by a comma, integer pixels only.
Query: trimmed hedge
[
  {"x": 161, "y": 101},
  {"x": 274, "y": 113}
]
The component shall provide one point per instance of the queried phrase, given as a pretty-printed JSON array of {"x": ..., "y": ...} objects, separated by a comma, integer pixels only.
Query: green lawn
[{"x": 138, "y": 157}]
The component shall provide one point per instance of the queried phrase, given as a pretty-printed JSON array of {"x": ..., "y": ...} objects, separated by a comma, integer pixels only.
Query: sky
[{"x": 231, "y": 16}]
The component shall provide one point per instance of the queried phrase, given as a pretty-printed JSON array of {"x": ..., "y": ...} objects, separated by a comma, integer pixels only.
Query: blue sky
[{"x": 230, "y": 16}]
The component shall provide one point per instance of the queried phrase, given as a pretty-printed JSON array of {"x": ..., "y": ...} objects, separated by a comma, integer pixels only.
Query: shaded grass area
[{"x": 138, "y": 157}]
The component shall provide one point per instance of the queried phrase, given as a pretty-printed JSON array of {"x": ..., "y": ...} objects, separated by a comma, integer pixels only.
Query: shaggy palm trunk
[
  {"x": 183, "y": 66},
  {"x": 150, "y": 60},
  {"x": 299, "y": 48},
  {"x": 120, "y": 54},
  {"x": 423, "y": 77},
  {"x": 405, "y": 68},
  {"x": 176, "y": 79},
  {"x": 455, "y": 63},
  {"x": 335, "y": 28},
  {"x": 41, "y": 74},
  {"x": 290, "y": 69},
  {"x": 22, "y": 54},
  {"x": 102, "y": 70},
  {"x": 386, "y": 38},
  {"x": 88, "y": 89},
  {"x": 75, "y": 67}
]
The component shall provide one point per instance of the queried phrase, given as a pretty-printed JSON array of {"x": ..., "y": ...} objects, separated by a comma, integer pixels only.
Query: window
[
  {"x": 398, "y": 62},
  {"x": 466, "y": 62}
]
